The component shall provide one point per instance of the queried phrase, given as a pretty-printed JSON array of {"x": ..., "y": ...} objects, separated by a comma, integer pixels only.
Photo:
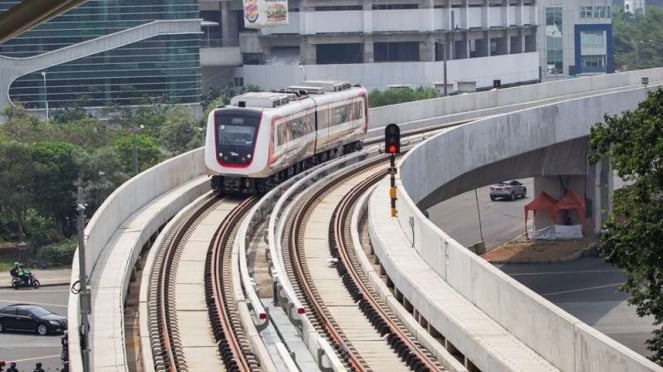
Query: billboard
[{"x": 265, "y": 13}]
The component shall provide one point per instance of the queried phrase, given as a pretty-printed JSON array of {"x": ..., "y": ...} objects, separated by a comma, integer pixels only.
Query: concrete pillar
[
  {"x": 307, "y": 51},
  {"x": 368, "y": 49},
  {"x": 603, "y": 189},
  {"x": 229, "y": 27},
  {"x": 427, "y": 49},
  {"x": 367, "y": 17}
]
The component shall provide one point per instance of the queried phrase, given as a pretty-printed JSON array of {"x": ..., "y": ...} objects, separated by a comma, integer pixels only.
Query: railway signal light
[{"x": 392, "y": 139}]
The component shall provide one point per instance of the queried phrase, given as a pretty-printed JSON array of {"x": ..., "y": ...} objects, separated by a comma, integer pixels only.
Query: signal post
[{"x": 392, "y": 146}]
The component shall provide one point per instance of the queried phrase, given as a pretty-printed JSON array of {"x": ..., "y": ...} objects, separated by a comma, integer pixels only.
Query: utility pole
[
  {"x": 85, "y": 304},
  {"x": 43, "y": 74}
]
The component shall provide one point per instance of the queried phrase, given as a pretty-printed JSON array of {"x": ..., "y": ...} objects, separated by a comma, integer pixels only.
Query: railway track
[
  {"x": 194, "y": 322},
  {"x": 362, "y": 330}
]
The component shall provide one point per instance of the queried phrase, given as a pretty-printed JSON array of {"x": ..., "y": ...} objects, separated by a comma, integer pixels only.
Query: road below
[
  {"x": 586, "y": 288},
  {"x": 28, "y": 348}
]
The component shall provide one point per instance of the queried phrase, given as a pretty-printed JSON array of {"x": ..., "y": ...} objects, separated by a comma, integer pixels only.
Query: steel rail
[
  {"x": 227, "y": 328},
  {"x": 409, "y": 351},
  {"x": 170, "y": 357}
]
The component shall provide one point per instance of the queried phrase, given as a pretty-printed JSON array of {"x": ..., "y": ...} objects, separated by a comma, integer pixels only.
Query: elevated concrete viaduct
[{"x": 458, "y": 159}]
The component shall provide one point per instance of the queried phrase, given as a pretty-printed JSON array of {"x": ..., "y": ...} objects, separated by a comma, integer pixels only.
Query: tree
[
  {"x": 100, "y": 174},
  {"x": 637, "y": 39},
  {"x": 180, "y": 131},
  {"x": 148, "y": 151},
  {"x": 16, "y": 174},
  {"x": 20, "y": 125},
  {"x": 56, "y": 167},
  {"x": 633, "y": 143}
]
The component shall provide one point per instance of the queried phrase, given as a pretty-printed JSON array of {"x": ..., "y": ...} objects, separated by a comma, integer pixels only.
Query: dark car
[
  {"x": 24, "y": 317},
  {"x": 507, "y": 189}
]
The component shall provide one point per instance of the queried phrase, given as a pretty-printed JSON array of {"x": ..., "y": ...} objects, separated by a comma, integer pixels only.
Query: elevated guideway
[
  {"x": 129, "y": 219},
  {"x": 459, "y": 159}
]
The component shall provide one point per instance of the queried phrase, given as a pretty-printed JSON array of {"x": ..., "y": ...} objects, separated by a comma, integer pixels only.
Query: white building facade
[
  {"x": 634, "y": 6},
  {"x": 382, "y": 43}
]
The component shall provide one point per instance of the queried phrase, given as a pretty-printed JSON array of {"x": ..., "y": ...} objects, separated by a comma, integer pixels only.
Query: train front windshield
[{"x": 236, "y": 135}]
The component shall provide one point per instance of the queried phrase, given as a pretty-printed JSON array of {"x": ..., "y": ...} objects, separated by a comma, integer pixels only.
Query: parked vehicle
[
  {"x": 31, "y": 318},
  {"x": 507, "y": 189},
  {"x": 18, "y": 282}
]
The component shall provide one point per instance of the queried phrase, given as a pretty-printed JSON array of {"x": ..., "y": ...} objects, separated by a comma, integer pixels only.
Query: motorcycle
[{"x": 18, "y": 282}]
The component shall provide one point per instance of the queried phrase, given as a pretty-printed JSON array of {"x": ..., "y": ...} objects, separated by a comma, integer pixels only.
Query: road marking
[
  {"x": 34, "y": 358},
  {"x": 563, "y": 272},
  {"x": 582, "y": 289}
]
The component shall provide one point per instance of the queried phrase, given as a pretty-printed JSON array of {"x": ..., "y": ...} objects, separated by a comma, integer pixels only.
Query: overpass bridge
[{"x": 518, "y": 129}]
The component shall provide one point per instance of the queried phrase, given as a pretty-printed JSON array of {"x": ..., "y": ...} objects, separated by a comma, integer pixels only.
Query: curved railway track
[
  {"x": 338, "y": 315},
  {"x": 194, "y": 323},
  {"x": 183, "y": 339}
]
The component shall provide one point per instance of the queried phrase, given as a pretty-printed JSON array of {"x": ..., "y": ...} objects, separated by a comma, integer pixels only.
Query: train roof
[{"x": 292, "y": 93}]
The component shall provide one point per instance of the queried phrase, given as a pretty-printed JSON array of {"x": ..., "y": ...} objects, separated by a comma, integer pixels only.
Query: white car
[{"x": 507, "y": 189}]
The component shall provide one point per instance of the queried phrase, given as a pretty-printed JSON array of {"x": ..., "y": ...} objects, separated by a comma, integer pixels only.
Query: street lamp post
[
  {"x": 554, "y": 52},
  {"x": 444, "y": 66},
  {"x": 637, "y": 56},
  {"x": 43, "y": 74},
  {"x": 135, "y": 150}
]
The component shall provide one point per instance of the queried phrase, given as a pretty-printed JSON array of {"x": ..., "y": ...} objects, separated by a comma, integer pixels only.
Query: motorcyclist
[
  {"x": 38, "y": 368},
  {"x": 12, "y": 367},
  {"x": 14, "y": 270},
  {"x": 24, "y": 274}
]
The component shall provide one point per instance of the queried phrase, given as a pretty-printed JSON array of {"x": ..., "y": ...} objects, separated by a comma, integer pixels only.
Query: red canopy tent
[
  {"x": 572, "y": 201},
  {"x": 543, "y": 201}
]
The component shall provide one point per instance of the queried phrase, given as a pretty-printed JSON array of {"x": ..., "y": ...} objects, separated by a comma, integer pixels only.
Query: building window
[
  {"x": 592, "y": 39},
  {"x": 585, "y": 12},
  {"x": 592, "y": 62},
  {"x": 339, "y": 53},
  {"x": 398, "y": 51},
  {"x": 602, "y": 12},
  {"x": 554, "y": 41}
]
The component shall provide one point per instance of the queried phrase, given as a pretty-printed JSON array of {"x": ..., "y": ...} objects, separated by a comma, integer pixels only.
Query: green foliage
[
  {"x": 20, "y": 126},
  {"x": 643, "y": 30},
  {"x": 180, "y": 132},
  {"x": 56, "y": 167},
  {"x": 147, "y": 149},
  {"x": 101, "y": 172},
  {"x": 16, "y": 181},
  {"x": 40, "y": 230},
  {"x": 58, "y": 254},
  {"x": 633, "y": 143},
  {"x": 378, "y": 98}
]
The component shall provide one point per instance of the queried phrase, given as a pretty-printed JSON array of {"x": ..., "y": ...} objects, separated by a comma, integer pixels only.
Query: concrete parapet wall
[
  {"x": 560, "y": 338},
  {"x": 122, "y": 203},
  {"x": 496, "y": 99}
]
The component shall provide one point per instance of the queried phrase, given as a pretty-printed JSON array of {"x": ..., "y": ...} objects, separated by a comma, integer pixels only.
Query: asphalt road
[
  {"x": 501, "y": 220},
  {"x": 586, "y": 288},
  {"x": 27, "y": 348}
]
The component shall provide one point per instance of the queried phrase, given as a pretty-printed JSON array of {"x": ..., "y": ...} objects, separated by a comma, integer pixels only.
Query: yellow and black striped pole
[
  {"x": 392, "y": 189},
  {"x": 392, "y": 146}
]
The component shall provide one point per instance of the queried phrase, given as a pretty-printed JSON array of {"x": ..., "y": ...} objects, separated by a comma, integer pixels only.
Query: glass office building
[{"x": 165, "y": 67}]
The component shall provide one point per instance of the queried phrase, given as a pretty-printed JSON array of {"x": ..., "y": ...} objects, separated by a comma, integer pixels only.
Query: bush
[
  {"x": 40, "y": 230},
  {"x": 378, "y": 98},
  {"x": 58, "y": 254}
]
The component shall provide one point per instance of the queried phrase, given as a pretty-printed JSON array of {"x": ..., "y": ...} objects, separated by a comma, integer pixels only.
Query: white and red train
[{"x": 263, "y": 138}]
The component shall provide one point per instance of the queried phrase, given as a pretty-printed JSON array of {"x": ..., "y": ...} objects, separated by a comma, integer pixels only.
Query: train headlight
[
  {"x": 220, "y": 154},
  {"x": 248, "y": 156}
]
